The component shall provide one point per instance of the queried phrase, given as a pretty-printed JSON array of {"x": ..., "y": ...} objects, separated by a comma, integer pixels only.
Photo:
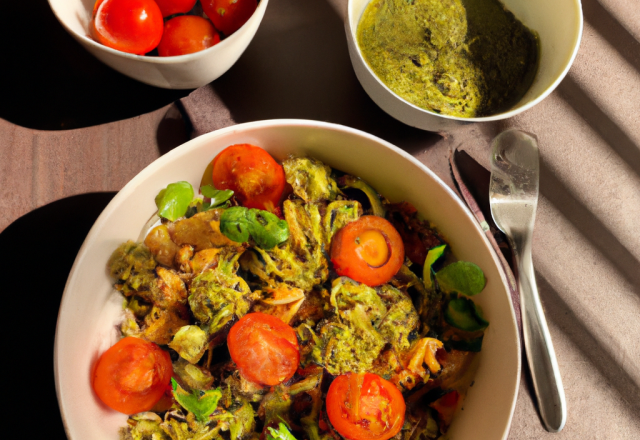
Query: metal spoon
[{"x": 513, "y": 194}]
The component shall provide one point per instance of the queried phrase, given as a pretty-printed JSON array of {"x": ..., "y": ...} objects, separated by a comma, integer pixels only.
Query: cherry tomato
[
  {"x": 133, "y": 26},
  {"x": 365, "y": 406},
  {"x": 187, "y": 34},
  {"x": 132, "y": 375},
  {"x": 255, "y": 177},
  {"x": 264, "y": 348},
  {"x": 368, "y": 250},
  {"x": 229, "y": 15},
  {"x": 170, "y": 7}
]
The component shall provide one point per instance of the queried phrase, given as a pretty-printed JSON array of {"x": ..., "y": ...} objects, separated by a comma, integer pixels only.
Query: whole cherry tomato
[
  {"x": 368, "y": 250},
  {"x": 187, "y": 34},
  {"x": 132, "y": 375},
  {"x": 365, "y": 406},
  {"x": 229, "y": 15},
  {"x": 133, "y": 26},
  {"x": 255, "y": 177},
  {"x": 170, "y": 7},
  {"x": 264, "y": 348}
]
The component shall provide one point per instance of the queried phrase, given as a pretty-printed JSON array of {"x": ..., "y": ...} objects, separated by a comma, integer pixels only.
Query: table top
[{"x": 73, "y": 132}]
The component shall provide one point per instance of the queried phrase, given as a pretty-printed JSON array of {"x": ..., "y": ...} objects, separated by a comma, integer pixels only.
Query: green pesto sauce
[{"x": 465, "y": 58}]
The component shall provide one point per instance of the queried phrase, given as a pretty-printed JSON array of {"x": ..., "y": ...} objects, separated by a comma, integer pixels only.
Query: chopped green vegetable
[
  {"x": 464, "y": 314},
  {"x": 217, "y": 196},
  {"x": 433, "y": 256},
  {"x": 282, "y": 433},
  {"x": 462, "y": 277},
  {"x": 201, "y": 404},
  {"x": 266, "y": 229},
  {"x": 174, "y": 200}
]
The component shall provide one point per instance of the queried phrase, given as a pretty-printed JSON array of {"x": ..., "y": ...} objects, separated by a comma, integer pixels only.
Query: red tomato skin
[
  {"x": 229, "y": 15},
  {"x": 132, "y": 26},
  {"x": 347, "y": 263},
  {"x": 132, "y": 375},
  {"x": 257, "y": 180},
  {"x": 264, "y": 348},
  {"x": 379, "y": 407},
  {"x": 170, "y": 7},
  {"x": 186, "y": 34}
]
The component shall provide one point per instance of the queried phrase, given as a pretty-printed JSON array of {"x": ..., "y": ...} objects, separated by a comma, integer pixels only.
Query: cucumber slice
[
  {"x": 433, "y": 256},
  {"x": 462, "y": 313}
]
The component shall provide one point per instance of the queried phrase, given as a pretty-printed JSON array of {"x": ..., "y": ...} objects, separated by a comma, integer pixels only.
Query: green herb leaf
[
  {"x": 234, "y": 224},
  {"x": 462, "y": 277},
  {"x": 201, "y": 404},
  {"x": 266, "y": 229},
  {"x": 174, "y": 200},
  {"x": 433, "y": 256},
  {"x": 217, "y": 196},
  {"x": 282, "y": 433},
  {"x": 464, "y": 314}
]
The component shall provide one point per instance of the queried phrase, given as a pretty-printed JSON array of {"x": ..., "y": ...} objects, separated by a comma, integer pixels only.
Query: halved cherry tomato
[
  {"x": 229, "y": 15},
  {"x": 264, "y": 348},
  {"x": 365, "y": 406},
  {"x": 133, "y": 26},
  {"x": 132, "y": 375},
  {"x": 187, "y": 34},
  {"x": 255, "y": 177},
  {"x": 368, "y": 250},
  {"x": 170, "y": 7}
]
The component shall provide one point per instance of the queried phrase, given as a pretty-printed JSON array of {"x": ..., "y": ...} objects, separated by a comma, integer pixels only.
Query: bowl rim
[
  {"x": 183, "y": 149},
  {"x": 258, "y": 14},
  {"x": 351, "y": 32}
]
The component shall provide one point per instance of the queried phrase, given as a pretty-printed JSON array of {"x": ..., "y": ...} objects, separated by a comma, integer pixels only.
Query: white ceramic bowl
[
  {"x": 182, "y": 72},
  {"x": 558, "y": 24},
  {"x": 91, "y": 309}
]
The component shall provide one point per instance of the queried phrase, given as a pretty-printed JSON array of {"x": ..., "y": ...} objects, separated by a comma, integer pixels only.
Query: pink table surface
[{"x": 587, "y": 237}]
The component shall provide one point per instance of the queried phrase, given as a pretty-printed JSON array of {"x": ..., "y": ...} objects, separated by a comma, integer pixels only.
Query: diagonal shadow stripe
[
  {"x": 607, "y": 244},
  {"x": 613, "y": 31},
  {"x": 594, "y": 350},
  {"x": 608, "y": 130}
]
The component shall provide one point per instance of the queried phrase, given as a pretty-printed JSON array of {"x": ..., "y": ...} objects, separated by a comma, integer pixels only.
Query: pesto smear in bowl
[{"x": 464, "y": 58}]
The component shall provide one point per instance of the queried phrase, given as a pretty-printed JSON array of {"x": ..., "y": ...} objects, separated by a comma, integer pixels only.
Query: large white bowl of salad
[{"x": 286, "y": 279}]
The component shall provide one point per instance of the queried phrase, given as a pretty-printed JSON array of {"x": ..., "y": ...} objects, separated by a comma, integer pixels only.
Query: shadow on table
[
  {"x": 596, "y": 350},
  {"x": 51, "y": 83},
  {"x": 613, "y": 31},
  {"x": 38, "y": 251}
]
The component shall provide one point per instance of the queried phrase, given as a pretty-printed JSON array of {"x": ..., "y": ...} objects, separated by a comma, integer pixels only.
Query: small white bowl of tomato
[{"x": 173, "y": 44}]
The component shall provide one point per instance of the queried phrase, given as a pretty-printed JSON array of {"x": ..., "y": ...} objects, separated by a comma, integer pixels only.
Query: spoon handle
[{"x": 541, "y": 356}]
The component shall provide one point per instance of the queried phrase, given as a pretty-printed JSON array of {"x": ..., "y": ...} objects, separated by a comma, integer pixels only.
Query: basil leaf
[
  {"x": 433, "y": 256},
  {"x": 462, "y": 277},
  {"x": 201, "y": 404},
  {"x": 174, "y": 200},
  {"x": 217, "y": 196},
  {"x": 463, "y": 313},
  {"x": 267, "y": 230},
  {"x": 234, "y": 224},
  {"x": 282, "y": 433}
]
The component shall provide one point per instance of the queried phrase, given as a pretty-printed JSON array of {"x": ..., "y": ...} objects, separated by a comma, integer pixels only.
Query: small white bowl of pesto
[{"x": 437, "y": 64}]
